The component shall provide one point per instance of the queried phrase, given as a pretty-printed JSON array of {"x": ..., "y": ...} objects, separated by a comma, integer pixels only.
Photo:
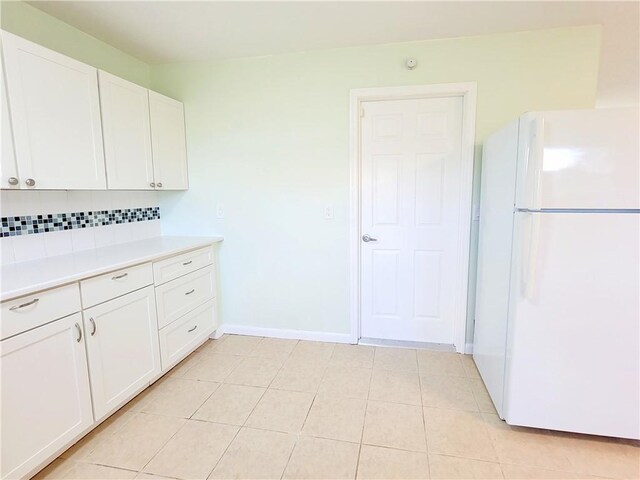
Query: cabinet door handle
[
  {"x": 18, "y": 307},
  {"x": 190, "y": 291},
  {"x": 188, "y": 263},
  {"x": 159, "y": 184},
  {"x": 118, "y": 277},
  {"x": 192, "y": 329},
  {"x": 79, "y": 333},
  {"x": 93, "y": 326}
]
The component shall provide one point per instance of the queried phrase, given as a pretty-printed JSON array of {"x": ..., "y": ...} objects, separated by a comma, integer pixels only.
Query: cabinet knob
[
  {"x": 13, "y": 181},
  {"x": 160, "y": 184},
  {"x": 152, "y": 185},
  {"x": 30, "y": 182}
]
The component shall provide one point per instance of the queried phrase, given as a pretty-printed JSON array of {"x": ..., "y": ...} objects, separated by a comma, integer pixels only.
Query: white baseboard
[
  {"x": 468, "y": 348},
  {"x": 284, "y": 333}
]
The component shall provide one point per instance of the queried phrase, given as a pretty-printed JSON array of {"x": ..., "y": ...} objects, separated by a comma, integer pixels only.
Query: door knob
[
  {"x": 160, "y": 184},
  {"x": 30, "y": 182},
  {"x": 152, "y": 185},
  {"x": 367, "y": 238},
  {"x": 13, "y": 181}
]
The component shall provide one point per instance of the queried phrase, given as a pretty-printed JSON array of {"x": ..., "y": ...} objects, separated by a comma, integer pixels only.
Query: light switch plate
[
  {"x": 328, "y": 212},
  {"x": 475, "y": 216}
]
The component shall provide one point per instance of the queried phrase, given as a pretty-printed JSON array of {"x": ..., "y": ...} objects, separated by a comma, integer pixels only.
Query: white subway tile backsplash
[
  {"x": 6, "y": 251},
  {"x": 57, "y": 243},
  {"x": 83, "y": 239},
  {"x": 30, "y": 243},
  {"x": 53, "y": 202},
  {"x": 105, "y": 236},
  {"x": 122, "y": 233},
  {"x": 78, "y": 200},
  {"x": 29, "y": 247},
  {"x": 20, "y": 202}
]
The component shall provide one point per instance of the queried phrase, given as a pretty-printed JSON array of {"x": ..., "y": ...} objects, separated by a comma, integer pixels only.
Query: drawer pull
[
  {"x": 118, "y": 277},
  {"x": 190, "y": 291},
  {"x": 18, "y": 307},
  {"x": 79, "y": 333},
  {"x": 93, "y": 326},
  {"x": 187, "y": 263},
  {"x": 192, "y": 329}
]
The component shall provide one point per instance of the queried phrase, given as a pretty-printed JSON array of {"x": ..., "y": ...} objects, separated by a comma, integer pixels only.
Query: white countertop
[{"x": 23, "y": 278}]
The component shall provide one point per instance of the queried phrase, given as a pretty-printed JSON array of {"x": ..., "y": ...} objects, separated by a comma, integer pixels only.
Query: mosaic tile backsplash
[{"x": 32, "y": 224}]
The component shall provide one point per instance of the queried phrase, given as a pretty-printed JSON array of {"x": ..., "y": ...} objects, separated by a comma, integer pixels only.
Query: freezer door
[
  {"x": 579, "y": 159},
  {"x": 573, "y": 342}
]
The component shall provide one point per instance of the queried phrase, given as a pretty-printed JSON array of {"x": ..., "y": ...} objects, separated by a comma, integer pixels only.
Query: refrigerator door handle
[
  {"x": 529, "y": 259},
  {"x": 535, "y": 154}
]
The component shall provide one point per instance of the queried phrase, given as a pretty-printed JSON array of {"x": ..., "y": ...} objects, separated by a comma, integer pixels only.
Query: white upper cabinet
[
  {"x": 127, "y": 133},
  {"x": 169, "y": 143},
  {"x": 8, "y": 168},
  {"x": 55, "y": 115}
]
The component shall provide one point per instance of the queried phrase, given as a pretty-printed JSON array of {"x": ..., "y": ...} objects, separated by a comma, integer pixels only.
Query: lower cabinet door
[
  {"x": 122, "y": 348},
  {"x": 46, "y": 401}
]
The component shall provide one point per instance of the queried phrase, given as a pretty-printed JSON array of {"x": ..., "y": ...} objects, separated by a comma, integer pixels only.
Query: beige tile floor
[{"x": 249, "y": 407}]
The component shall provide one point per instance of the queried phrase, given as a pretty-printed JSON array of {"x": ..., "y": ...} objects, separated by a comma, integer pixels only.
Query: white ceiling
[{"x": 181, "y": 31}]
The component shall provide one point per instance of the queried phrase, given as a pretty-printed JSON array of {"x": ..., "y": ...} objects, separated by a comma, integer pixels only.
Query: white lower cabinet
[
  {"x": 46, "y": 401},
  {"x": 62, "y": 372},
  {"x": 122, "y": 348},
  {"x": 181, "y": 337},
  {"x": 178, "y": 297}
]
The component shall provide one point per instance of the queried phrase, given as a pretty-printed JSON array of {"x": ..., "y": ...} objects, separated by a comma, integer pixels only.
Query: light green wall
[
  {"x": 28, "y": 22},
  {"x": 268, "y": 139}
]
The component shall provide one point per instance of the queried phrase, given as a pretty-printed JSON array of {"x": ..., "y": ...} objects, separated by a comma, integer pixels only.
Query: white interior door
[{"x": 411, "y": 180}]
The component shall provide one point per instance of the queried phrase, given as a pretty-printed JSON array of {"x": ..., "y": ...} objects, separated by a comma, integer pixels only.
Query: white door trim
[{"x": 465, "y": 90}]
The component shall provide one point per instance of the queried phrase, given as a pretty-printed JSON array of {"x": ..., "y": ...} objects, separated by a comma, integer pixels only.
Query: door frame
[{"x": 357, "y": 97}]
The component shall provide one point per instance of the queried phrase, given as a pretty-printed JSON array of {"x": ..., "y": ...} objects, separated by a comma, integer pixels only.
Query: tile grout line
[
  {"x": 424, "y": 420},
  {"x": 237, "y": 432},
  {"x": 178, "y": 430},
  {"x": 366, "y": 409},
  {"x": 253, "y": 409},
  {"x": 299, "y": 434}
]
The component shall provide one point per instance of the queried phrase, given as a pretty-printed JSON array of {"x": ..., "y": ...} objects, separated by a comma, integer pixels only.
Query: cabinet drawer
[
  {"x": 114, "y": 284},
  {"x": 174, "y": 267},
  {"x": 30, "y": 311},
  {"x": 179, "y": 296},
  {"x": 181, "y": 337}
]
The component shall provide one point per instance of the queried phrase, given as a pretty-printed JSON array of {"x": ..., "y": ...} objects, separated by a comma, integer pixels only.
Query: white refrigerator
[{"x": 557, "y": 321}]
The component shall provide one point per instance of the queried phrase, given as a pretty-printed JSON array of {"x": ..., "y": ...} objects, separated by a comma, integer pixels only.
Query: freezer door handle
[
  {"x": 530, "y": 257},
  {"x": 535, "y": 152}
]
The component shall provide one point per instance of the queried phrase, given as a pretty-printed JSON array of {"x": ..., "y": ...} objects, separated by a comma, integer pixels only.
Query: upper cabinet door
[
  {"x": 127, "y": 133},
  {"x": 8, "y": 168},
  {"x": 55, "y": 113},
  {"x": 169, "y": 144}
]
